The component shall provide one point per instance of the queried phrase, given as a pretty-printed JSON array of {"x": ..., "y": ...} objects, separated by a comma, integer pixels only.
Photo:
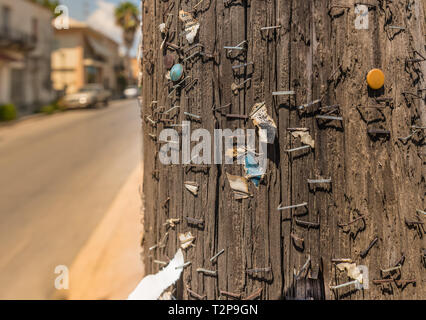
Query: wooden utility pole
[{"x": 320, "y": 50}]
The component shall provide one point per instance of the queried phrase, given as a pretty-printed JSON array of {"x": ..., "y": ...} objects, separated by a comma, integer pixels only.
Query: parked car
[
  {"x": 131, "y": 92},
  {"x": 90, "y": 95}
]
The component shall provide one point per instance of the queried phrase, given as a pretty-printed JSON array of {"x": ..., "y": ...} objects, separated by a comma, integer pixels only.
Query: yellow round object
[{"x": 375, "y": 79}]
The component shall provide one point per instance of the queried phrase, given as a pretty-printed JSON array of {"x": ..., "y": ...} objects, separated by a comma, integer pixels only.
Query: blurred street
[{"x": 60, "y": 176}]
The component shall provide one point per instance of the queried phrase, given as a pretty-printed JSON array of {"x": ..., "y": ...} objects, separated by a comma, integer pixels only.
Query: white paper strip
[{"x": 152, "y": 286}]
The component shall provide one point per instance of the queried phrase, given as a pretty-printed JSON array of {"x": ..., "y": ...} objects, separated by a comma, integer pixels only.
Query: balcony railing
[{"x": 17, "y": 40}]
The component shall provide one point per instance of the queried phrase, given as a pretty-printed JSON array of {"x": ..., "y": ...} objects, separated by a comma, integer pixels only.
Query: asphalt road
[{"x": 58, "y": 176}]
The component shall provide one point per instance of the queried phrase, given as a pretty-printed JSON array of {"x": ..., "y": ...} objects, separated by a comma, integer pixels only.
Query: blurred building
[
  {"x": 26, "y": 43},
  {"x": 83, "y": 55},
  {"x": 135, "y": 70}
]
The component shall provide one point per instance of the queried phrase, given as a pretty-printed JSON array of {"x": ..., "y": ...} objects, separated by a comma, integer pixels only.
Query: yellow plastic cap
[{"x": 376, "y": 79}]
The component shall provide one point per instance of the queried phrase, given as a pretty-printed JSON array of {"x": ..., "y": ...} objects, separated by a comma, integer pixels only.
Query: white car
[{"x": 131, "y": 92}]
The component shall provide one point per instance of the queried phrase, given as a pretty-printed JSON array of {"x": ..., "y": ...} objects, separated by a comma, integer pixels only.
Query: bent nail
[
  {"x": 271, "y": 27},
  {"x": 237, "y": 47},
  {"x": 307, "y": 224},
  {"x": 308, "y": 104},
  {"x": 209, "y": 272},
  {"x": 304, "y": 204},
  {"x": 361, "y": 217},
  {"x": 304, "y": 267},
  {"x": 398, "y": 267},
  {"x": 329, "y": 117},
  {"x": 344, "y": 285},
  {"x": 283, "y": 93},
  {"x": 195, "y": 295},
  {"x": 171, "y": 109},
  {"x": 297, "y": 149},
  {"x": 217, "y": 255},
  {"x": 194, "y": 221},
  {"x": 340, "y": 260},
  {"x": 372, "y": 243},
  {"x": 191, "y": 115},
  {"x": 254, "y": 295},
  {"x": 311, "y": 181}
]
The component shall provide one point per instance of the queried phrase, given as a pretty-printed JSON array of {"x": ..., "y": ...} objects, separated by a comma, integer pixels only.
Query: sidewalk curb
[
  {"x": 22, "y": 119},
  {"x": 108, "y": 266}
]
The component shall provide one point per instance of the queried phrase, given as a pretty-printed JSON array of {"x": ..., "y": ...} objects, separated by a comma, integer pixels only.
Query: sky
[{"x": 99, "y": 14}]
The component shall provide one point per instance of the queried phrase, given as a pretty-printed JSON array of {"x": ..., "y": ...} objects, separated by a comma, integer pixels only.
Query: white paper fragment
[
  {"x": 253, "y": 169},
  {"x": 191, "y": 32},
  {"x": 191, "y": 25},
  {"x": 152, "y": 286},
  {"x": 262, "y": 120},
  {"x": 263, "y": 136},
  {"x": 351, "y": 269},
  {"x": 305, "y": 137},
  {"x": 186, "y": 239},
  {"x": 239, "y": 185},
  {"x": 192, "y": 187},
  {"x": 162, "y": 27},
  {"x": 361, "y": 20}
]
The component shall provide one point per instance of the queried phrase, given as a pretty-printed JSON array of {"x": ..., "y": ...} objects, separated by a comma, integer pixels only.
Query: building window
[
  {"x": 6, "y": 20},
  {"x": 92, "y": 74}
]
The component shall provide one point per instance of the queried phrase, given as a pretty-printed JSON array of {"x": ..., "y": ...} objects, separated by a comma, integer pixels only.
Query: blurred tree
[
  {"x": 51, "y": 4},
  {"x": 127, "y": 18}
]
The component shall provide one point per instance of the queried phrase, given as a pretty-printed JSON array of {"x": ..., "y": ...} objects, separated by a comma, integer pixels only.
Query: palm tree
[{"x": 127, "y": 18}]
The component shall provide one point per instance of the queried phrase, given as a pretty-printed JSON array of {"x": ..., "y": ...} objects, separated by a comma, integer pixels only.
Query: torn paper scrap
[
  {"x": 234, "y": 88},
  {"x": 192, "y": 187},
  {"x": 152, "y": 286},
  {"x": 172, "y": 222},
  {"x": 305, "y": 137},
  {"x": 235, "y": 152},
  {"x": 186, "y": 239},
  {"x": 262, "y": 120},
  {"x": 167, "y": 295},
  {"x": 185, "y": 17},
  {"x": 191, "y": 25},
  {"x": 191, "y": 32},
  {"x": 351, "y": 269},
  {"x": 239, "y": 185},
  {"x": 254, "y": 172}
]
